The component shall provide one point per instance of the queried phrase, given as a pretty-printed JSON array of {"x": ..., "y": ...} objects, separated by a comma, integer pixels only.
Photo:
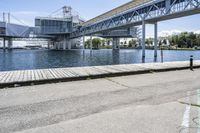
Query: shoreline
[
  {"x": 178, "y": 49},
  {"x": 44, "y": 76}
]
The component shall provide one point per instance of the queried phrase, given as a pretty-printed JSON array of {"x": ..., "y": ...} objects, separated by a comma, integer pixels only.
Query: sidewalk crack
[{"x": 120, "y": 84}]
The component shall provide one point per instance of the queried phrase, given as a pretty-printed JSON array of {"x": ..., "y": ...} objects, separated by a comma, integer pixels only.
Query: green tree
[
  {"x": 165, "y": 42},
  {"x": 125, "y": 43},
  {"x": 160, "y": 43},
  {"x": 184, "y": 40},
  {"x": 132, "y": 43},
  {"x": 103, "y": 42},
  {"x": 149, "y": 41},
  {"x": 87, "y": 43},
  {"x": 191, "y": 39},
  {"x": 197, "y": 40},
  {"x": 96, "y": 43},
  {"x": 108, "y": 41}
]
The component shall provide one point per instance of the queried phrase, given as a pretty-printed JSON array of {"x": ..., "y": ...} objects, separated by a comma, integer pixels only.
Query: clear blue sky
[{"x": 26, "y": 10}]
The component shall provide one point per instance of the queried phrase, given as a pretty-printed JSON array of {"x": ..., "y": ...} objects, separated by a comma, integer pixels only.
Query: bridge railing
[
  {"x": 116, "y": 11},
  {"x": 155, "y": 11}
]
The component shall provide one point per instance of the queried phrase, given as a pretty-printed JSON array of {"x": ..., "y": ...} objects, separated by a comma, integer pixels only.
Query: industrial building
[{"x": 59, "y": 28}]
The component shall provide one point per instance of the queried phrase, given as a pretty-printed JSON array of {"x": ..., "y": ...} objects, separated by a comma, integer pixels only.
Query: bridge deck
[
  {"x": 28, "y": 77},
  {"x": 118, "y": 10}
]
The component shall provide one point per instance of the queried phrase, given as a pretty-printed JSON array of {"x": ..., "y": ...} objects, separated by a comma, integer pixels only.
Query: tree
[
  {"x": 184, "y": 40},
  {"x": 103, "y": 42},
  {"x": 160, "y": 43},
  {"x": 87, "y": 43},
  {"x": 132, "y": 43},
  {"x": 96, "y": 42},
  {"x": 165, "y": 42},
  {"x": 197, "y": 40},
  {"x": 174, "y": 40},
  {"x": 125, "y": 43},
  {"x": 191, "y": 39},
  {"x": 108, "y": 41},
  {"x": 149, "y": 41}
]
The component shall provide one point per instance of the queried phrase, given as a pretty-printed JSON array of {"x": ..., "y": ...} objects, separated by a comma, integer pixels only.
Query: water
[{"x": 41, "y": 59}]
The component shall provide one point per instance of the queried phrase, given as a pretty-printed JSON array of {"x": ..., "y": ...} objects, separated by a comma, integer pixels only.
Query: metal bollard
[{"x": 191, "y": 62}]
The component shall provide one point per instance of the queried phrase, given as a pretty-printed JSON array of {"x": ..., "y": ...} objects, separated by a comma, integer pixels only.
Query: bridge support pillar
[
  {"x": 64, "y": 43},
  {"x": 143, "y": 38},
  {"x": 83, "y": 42},
  {"x": 54, "y": 45},
  {"x": 91, "y": 42},
  {"x": 58, "y": 45},
  {"x": 10, "y": 43},
  {"x": 69, "y": 45},
  {"x": 116, "y": 43},
  {"x": 4, "y": 43},
  {"x": 49, "y": 43}
]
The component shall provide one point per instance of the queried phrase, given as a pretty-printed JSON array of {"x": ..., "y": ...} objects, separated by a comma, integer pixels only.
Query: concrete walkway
[
  {"x": 153, "y": 102},
  {"x": 41, "y": 76},
  {"x": 164, "y": 118}
]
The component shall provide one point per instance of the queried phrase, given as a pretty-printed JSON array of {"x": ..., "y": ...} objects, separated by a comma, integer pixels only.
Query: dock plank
[
  {"x": 52, "y": 72},
  {"x": 29, "y": 77},
  {"x": 65, "y": 73},
  {"x": 57, "y": 75},
  {"x": 48, "y": 74},
  {"x": 15, "y": 77},
  {"x": 9, "y": 75},
  {"x": 60, "y": 73},
  {"x": 36, "y": 75}
]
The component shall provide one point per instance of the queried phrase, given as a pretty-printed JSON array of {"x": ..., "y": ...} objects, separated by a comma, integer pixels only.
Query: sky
[{"x": 26, "y": 10}]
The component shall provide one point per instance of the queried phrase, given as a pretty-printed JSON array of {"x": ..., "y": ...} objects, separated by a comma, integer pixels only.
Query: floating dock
[{"x": 41, "y": 76}]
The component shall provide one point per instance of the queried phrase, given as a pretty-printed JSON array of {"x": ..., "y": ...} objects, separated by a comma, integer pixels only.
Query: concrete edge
[{"x": 69, "y": 79}]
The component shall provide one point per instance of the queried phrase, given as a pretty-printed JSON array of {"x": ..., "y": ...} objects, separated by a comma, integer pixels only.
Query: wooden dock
[{"x": 40, "y": 76}]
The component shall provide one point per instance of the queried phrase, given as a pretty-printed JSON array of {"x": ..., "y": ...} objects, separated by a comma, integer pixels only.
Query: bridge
[
  {"x": 10, "y": 31},
  {"x": 122, "y": 21},
  {"x": 141, "y": 13}
]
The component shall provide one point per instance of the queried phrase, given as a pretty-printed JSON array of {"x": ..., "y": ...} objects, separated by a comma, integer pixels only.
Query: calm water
[{"x": 39, "y": 59}]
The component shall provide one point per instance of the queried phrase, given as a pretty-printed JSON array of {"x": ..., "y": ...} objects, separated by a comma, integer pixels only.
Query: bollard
[{"x": 191, "y": 62}]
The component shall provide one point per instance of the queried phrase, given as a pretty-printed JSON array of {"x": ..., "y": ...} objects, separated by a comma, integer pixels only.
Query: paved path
[
  {"x": 28, "y": 77},
  {"x": 154, "y": 102}
]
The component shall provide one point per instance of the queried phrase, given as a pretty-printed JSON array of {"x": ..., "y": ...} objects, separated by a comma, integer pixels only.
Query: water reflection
[
  {"x": 116, "y": 56},
  {"x": 143, "y": 59},
  {"x": 155, "y": 58},
  {"x": 39, "y": 59}
]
